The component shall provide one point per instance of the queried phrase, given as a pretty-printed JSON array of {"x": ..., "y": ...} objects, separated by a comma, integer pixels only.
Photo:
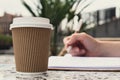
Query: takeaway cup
[{"x": 31, "y": 43}]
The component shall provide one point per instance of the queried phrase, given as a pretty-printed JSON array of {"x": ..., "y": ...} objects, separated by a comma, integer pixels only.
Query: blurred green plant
[
  {"x": 55, "y": 10},
  {"x": 5, "y": 41}
]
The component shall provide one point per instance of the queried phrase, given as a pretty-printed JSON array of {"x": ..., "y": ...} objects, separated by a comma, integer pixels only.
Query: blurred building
[
  {"x": 100, "y": 17},
  {"x": 105, "y": 22},
  {"x": 5, "y": 22}
]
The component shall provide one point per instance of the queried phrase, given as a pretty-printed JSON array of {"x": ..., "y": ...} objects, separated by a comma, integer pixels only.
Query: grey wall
[{"x": 110, "y": 29}]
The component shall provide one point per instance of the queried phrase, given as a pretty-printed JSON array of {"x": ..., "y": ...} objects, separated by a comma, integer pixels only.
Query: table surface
[{"x": 8, "y": 72}]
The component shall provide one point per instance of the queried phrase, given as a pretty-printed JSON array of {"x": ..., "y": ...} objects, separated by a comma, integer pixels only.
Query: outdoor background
[{"x": 101, "y": 19}]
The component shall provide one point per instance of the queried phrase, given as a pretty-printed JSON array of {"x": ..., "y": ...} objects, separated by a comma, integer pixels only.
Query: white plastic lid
[{"x": 38, "y": 22}]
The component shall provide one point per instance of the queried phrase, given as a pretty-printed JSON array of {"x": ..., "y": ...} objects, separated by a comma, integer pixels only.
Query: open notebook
[{"x": 84, "y": 63}]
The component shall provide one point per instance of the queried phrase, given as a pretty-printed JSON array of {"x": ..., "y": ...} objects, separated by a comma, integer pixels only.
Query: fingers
[
  {"x": 70, "y": 40},
  {"x": 77, "y": 52},
  {"x": 66, "y": 41},
  {"x": 82, "y": 44},
  {"x": 75, "y": 41},
  {"x": 76, "y": 37}
]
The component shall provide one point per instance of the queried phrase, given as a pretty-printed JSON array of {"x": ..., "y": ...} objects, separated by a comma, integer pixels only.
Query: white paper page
[{"x": 84, "y": 62}]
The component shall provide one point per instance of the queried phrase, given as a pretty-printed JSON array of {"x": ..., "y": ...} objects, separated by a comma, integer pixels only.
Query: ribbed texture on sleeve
[{"x": 31, "y": 48}]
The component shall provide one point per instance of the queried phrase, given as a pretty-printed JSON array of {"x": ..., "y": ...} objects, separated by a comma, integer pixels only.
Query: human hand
[{"x": 82, "y": 45}]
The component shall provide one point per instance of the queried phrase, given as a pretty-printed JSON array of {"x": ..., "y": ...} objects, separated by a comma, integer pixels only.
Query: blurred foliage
[
  {"x": 5, "y": 41},
  {"x": 55, "y": 10}
]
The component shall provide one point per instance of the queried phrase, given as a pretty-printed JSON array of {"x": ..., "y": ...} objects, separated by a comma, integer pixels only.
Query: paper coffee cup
[{"x": 31, "y": 42}]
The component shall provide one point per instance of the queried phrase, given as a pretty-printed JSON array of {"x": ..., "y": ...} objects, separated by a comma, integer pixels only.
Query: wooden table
[{"x": 8, "y": 72}]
